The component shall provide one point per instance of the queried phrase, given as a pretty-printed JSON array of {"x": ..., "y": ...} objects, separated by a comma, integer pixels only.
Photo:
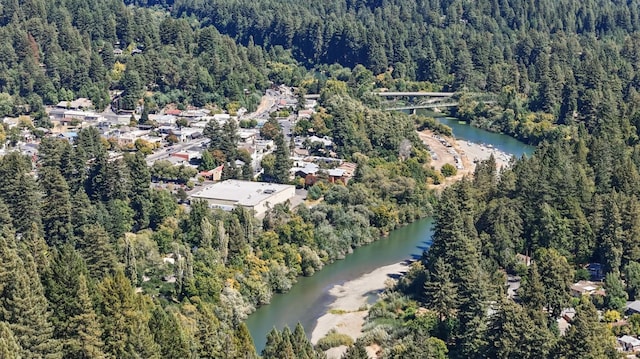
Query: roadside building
[
  {"x": 187, "y": 133},
  {"x": 629, "y": 344},
  {"x": 187, "y": 156},
  {"x": 256, "y": 196},
  {"x": 77, "y": 104}
]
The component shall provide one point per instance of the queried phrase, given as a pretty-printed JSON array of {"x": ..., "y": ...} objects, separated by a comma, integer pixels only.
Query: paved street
[{"x": 163, "y": 153}]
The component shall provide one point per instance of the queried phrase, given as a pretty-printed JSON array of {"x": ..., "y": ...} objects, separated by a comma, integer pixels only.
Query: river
[{"x": 309, "y": 297}]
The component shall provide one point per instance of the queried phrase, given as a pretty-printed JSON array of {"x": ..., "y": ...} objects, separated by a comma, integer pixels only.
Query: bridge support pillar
[{"x": 414, "y": 111}]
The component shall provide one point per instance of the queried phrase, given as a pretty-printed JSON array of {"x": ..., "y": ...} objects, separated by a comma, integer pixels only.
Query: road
[
  {"x": 164, "y": 153},
  {"x": 268, "y": 104}
]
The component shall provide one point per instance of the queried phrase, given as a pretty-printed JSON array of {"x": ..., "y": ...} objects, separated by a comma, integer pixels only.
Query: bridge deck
[
  {"x": 415, "y": 107},
  {"x": 431, "y": 94}
]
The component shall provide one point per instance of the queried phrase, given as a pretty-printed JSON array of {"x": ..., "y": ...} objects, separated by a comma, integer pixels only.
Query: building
[
  {"x": 187, "y": 133},
  {"x": 173, "y": 112},
  {"x": 247, "y": 136},
  {"x": 595, "y": 271},
  {"x": 633, "y": 307},
  {"x": 585, "y": 287},
  {"x": 523, "y": 259},
  {"x": 163, "y": 120},
  {"x": 188, "y": 156},
  {"x": 69, "y": 136},
  {"x": 256, "y": 196},
  {"x": 214, "y": 174},
  {"x": 628, "y": 344},
  {"x": 77, "y": 104}
]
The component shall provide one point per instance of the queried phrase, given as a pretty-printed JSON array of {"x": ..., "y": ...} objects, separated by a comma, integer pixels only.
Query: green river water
[{"x": 309, "y": 297}]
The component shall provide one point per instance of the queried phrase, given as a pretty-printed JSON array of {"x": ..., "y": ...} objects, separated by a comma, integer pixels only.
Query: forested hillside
[
  {"x": 574, "y": 202},
  {"x": 554, "y": 62},
  {"x": 60, "y": 50},
  {"x": 98, "y": 264}
]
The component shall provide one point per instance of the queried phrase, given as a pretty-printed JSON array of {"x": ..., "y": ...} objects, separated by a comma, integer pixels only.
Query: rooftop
[
  {"x": 634, "y": 306},
  {"x": 587, "y": 287},
  {"x": 629, "y": 340},
  {"x": 244, "y": 193}
]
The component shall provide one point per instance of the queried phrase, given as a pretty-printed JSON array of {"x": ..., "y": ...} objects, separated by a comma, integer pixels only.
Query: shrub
[
  {"x": 314, "y": 193},
  {"x": 448, "y": 170},
  {"x": 334, "y": 339}
]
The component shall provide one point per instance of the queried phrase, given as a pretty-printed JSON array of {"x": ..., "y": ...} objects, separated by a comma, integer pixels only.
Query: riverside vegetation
[{"x": 82, "y": 235}]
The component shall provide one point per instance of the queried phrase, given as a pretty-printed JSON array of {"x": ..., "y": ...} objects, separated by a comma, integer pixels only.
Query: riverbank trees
[
  {"x": 159, "y": 270},
  {"x": 562, "y": 206}
]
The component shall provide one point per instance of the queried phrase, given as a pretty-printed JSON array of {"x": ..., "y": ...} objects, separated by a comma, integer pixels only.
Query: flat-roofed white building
[{"x": 256, "y": 196}]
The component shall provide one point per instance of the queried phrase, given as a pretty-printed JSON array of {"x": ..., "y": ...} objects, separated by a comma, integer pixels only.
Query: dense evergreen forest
[
  {"x": 575, "y": 201},
  {"x": 552, "y": 62},
  {"x": 60, "y": 50},
  {"x": 96, "y": 264}
]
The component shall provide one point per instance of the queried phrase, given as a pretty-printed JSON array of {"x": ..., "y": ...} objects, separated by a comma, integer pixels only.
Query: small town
[{"x": 176, "y": 138}]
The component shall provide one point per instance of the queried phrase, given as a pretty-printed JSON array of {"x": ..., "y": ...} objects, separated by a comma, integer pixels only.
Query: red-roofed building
[{"x": 214, "y": 174}]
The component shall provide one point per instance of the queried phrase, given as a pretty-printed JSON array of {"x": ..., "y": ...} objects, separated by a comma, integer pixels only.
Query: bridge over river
[{"x": 433, "y": 99}]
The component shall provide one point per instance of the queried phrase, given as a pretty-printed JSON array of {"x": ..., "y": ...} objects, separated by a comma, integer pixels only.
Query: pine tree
[
  {"x": 448, "y": 225},
  {"x": 270, "y": 350},
  {"x": 33, "y": 243},
  {"x": 508, "y": 332},
  {"x": 282, "y": 163},
  {"x": 56, "y": 207},
  {"x": 209, "y": 333},
  {"x": 139, "y": 195},
  {"x": 6, "y": 225},
  {"x": 85, "y": 340},
  {"x": 470, "y": 337},
  {"x": 84, "y": 212},
  {"x": 97, "y": 250},
  {"x": 587, "y": 337},
  {"x": 144, "y": 117},
  {"x": 140, "y": 343},
  {"x": 285, "y": 349},
  {"x": 10, "y": 260},
  {"x": 616, "y": 297},
  {"x": 13, "y": 181},
  {"x": 557, "y": 276},
  {"x": 208, "y": 162},
  {"x": 301, "y": 344},
  {"x": 25, "y": 208},
  {"x": 62, "y": 287},
  {"x": 356, "y": 351},
  {"x": 167, "y": 333},
  {"x": 532, "y": 291},
  {"x": 214, "y": 133},
  {"x": 26, "y": 311},
  {"x": 611, "y": 236},
  {"x": 9, "y": 347},
  {"x": 117, "y": 310},
  {"x": 244, "y": 343},
  {"x": 439, "y": 291}
]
